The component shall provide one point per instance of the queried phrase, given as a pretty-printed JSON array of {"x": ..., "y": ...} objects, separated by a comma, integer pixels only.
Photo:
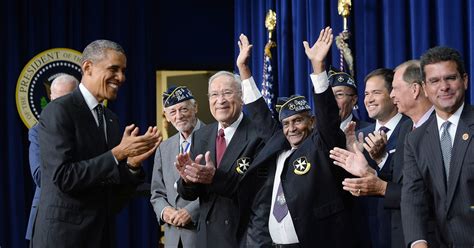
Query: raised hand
[
  {"x": 245, "y": 49},
  {"x": 350, "y": 131},
  {"x": 318, "y": 52}
]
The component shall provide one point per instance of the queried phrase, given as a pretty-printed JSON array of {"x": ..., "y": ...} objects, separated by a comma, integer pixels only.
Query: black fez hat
[
  {"x": 175, "y": 95},
  {"x": 288, "y": 106}
]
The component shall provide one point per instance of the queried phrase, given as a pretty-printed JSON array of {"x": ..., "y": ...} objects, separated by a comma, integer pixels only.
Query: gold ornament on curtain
[{"x": 344, "y": 10}]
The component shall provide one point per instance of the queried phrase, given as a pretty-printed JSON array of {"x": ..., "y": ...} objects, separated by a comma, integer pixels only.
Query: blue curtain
[
  {"x": 155, "y": 35},
  {"x": 384, "y": 34}
]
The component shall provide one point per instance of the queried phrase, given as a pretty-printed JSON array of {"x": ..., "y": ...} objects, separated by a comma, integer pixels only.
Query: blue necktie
[
  {"x": 446, "y": 147},
  {"x": 280, "y": 209}
]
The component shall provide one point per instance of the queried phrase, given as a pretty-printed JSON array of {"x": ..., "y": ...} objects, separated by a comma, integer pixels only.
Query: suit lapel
[
  {"x": 236, "y": 146},
  {"x": 173, "y": 148},
  {"x": 84, "y": 113},
  {"x": 435, "y": 165},
  {"x": 399, "y": 154},
  {"x": 461, "y": 143}
]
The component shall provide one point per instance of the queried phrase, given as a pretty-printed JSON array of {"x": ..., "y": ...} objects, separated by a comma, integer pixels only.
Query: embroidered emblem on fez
[
  {"x": 301, "y": 166},
  {"x": 242, "y": 165}
]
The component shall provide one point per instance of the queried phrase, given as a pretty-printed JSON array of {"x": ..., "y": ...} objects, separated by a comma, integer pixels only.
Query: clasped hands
[
  {"x": 176, "y": 217},
  {"x": 193, "y": 171},
  {"x": 136, "y": 148}
]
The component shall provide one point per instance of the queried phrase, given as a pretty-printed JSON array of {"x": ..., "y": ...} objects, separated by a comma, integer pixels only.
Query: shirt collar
[
  {"x": 91, "y": 101},
  {"x": 454, "y": 119},
  {"x": 424, "y": 118},
  {"x": 345, "y": 122},
  {"x": 391, "y": 124}
]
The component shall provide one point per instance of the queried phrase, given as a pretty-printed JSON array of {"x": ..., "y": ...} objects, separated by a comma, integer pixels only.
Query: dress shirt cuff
[
  {"x": 384, "y": 159},
  {"x": 320, "y": 82},
  {"x": 250, "y": 92},
  {"x": 418, "y": 241}
]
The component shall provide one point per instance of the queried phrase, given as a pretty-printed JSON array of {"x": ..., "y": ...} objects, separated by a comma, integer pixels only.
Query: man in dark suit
[
  {"x": 88, "y": 170},
  {"x": 222, "y": 223},
  {"x": 178, "y": 216},
  {"x": 408, "y": 96},
  {"x": 301, "y": 203},
  {"x": 438, "y": 169},
  {"x": 61, "y": 85},
  {"x": 345, "y": 92},
  {"x": 381, "y": 140}
]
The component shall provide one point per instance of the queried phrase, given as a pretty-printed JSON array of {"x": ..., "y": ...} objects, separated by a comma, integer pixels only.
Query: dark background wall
[{"x": 156, "y": 35}]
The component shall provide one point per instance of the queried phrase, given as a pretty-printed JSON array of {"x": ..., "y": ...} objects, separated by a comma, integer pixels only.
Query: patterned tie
[
  {"x": 184, "y": 147},
  {"x": 99, "y": 109},
  {"x": 220, "y": 146},
  {"x": 446, "y": 147},
  {"x": 384, "y": 129},
  {"x": 280, "y": 209}
]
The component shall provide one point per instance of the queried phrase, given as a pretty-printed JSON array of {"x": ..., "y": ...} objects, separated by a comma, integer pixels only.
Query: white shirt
[
  {"x": 230, "y": 130},
  {"x": 345, "y": 122},
  {"x": 91, "y": 102},
  {"x": 281, "y": 232},
  {"x": 454, "y": 119},
  {"x": 391, "y": 125}
]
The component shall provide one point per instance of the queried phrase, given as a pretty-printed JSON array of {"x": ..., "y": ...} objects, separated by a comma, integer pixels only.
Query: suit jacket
[
  {"x": 164, "y": 193},
  {"x": 320, "y": 209},
  {"x": 377, "y": 217},
  {"x": 34, "y": 159},
  {"x": 425, "y": 185},
  {"x": 222, "y": 219},
  {"x": 82, "y": 186}
]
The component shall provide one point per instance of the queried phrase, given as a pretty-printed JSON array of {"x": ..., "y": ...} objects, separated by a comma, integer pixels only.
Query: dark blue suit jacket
[
  {"x": 376, "y": 216},
  {"x": 34, "y": 158}
]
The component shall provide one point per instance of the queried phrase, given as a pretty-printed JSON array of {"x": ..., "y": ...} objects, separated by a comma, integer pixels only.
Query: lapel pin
[{"x": 465, "y": 136}]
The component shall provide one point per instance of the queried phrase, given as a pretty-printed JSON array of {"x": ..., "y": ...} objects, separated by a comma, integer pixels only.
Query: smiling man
[
  {"x": 229, "y": 145},
  {"x": 439, "y": 155},
  {"x": 302, "y": 203},
  {"x": 88, "y": 169}
]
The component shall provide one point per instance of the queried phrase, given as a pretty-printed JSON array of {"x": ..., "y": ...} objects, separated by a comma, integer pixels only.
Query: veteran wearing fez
[
  {"x": 178, "y": 215},
  {"x": 302, "y": 202}
]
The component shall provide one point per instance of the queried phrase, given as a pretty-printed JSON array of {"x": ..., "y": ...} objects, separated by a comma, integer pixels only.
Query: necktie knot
[
  {"x": 384, "y": 129},
  {"x": 445, "y": 126},
  {"x": 184, "y": 146},
  {"x": 221, "y": 133}
]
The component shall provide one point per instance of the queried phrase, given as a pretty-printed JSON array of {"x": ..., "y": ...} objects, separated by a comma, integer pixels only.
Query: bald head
[{"x": 63, "y": 85}]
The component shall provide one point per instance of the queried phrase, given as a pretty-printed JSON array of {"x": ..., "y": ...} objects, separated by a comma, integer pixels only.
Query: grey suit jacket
[
  {"x": 425, "y": 185},
  {"x": 164, "y": 194}
]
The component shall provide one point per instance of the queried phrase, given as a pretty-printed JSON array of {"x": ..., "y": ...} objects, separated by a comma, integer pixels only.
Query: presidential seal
[{"x": 33, "y": 85}]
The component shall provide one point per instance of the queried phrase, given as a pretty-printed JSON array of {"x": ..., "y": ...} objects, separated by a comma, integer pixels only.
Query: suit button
[
  {"x": 226, "y": 222},
  {"x": 178, "y": 227},
  {"x": 207, "y": 222}
]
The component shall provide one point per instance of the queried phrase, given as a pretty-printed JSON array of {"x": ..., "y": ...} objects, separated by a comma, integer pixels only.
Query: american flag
[{"x": 268, "y": 90}]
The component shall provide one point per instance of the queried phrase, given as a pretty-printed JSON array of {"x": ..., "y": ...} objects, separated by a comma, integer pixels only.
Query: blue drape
[
  {"x": 156, "y": 35},
  {"x": 384, "y": 34}
]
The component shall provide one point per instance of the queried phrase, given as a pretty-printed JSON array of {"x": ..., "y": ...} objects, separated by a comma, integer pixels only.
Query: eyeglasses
[
  {"x": 341, "y": 95},
  {"x": 225, "y": 94}
]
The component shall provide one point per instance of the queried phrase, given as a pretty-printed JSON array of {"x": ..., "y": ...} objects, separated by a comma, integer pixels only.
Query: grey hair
[
  {"x": 64, "y": 79},
  {"x": 95, "y": 51},
  {"x": 412, "y": 73},
  {"x": 233, "y": 77}
]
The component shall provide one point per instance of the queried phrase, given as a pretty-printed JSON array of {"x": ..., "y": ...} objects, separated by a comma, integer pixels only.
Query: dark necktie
[
  {"x": 446, "y": 147},
  {"x": 220, "y": 146},
  {"x": 99, "y": 109},
  {"x": 280, "y": 209},
  {"x": 384, "y": 129}
]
